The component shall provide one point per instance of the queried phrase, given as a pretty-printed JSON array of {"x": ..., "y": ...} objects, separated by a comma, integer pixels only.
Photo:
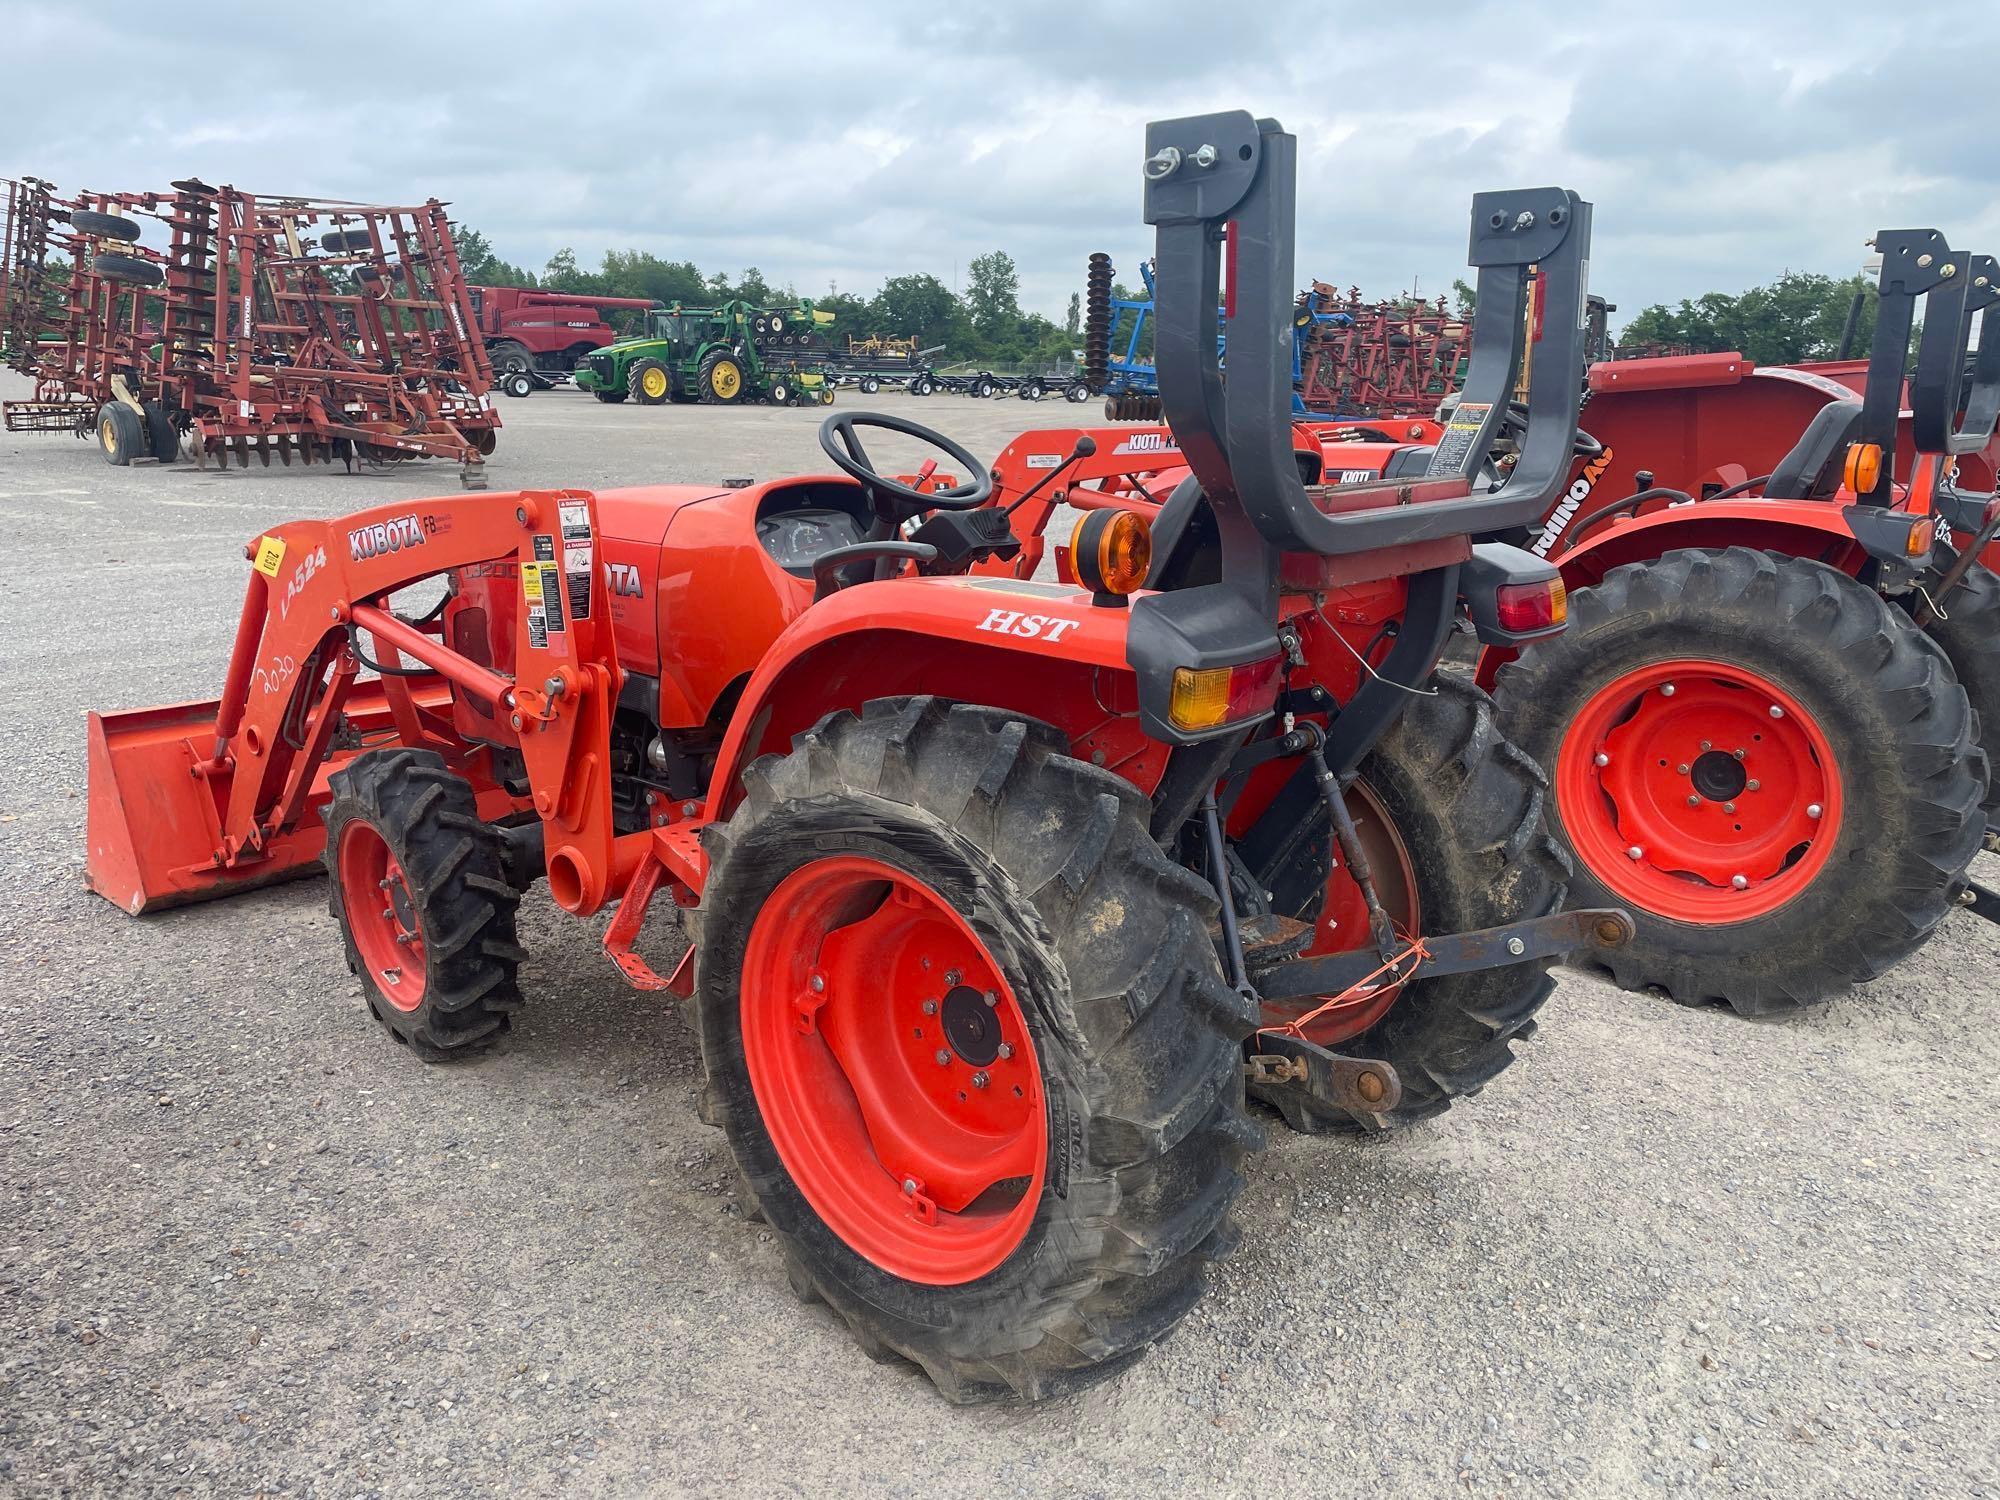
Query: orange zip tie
[{"x": 1416, "y": 950}]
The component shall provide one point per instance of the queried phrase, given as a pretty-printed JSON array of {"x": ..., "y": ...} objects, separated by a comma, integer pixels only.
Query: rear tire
[
  {"x": 510, "y": 356},
  {"x": 721, "y": 380},
  {"x": 1101, "y": 945},
  {"x": 1467, "y": 807},
  {"x": 1970, "y": 636},
  {"x": 448, "y": 890},
  {"x": 1901, "y": 776}
]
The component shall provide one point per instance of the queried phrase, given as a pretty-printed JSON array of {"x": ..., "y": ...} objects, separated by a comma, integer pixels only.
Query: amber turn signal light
[
  {"x": 1111, "y": 553},
  {"x": 1205, "y": 697},
  {"x": 1863, "y": 468}
]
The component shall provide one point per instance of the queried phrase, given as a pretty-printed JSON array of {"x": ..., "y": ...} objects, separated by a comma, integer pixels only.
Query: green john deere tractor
[{"x": 719, "y": 355}]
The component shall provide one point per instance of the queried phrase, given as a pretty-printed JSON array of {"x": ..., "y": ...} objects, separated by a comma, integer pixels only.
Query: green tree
[
  {"x": 640, "y": 273},
  {"x": 1466, "y": 297},
  {"x": 561, "y": 274},
  {"x": 1073, "y": 320},
  {"x": 480, "y": 266},
  {"x": 916, "y": 305},
  {"x": 993, "y": 295},
  {"x": 1800, "y": 316}
]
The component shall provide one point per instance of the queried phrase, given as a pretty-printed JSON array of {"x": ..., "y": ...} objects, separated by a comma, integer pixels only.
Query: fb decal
[
  {"x": 385, "y": 537},
  {"x": 1051, "y": 628}
]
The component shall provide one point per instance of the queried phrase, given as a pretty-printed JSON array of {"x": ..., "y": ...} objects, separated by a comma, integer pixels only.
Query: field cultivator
[
  {"x": 1378, "y": 359},
  {"x": 1000, "y": 892},
  {"x": 221, "y": 322}
]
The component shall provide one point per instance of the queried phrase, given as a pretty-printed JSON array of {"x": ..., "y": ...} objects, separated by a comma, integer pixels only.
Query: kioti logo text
[{"x": 384, "y": 537}]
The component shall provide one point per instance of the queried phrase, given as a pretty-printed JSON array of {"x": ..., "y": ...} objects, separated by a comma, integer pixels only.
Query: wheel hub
[
  {"x": 971, "y": 1027},
  {"x": 894, "y": 1070},
  {"x": 1699, "y": 790}
]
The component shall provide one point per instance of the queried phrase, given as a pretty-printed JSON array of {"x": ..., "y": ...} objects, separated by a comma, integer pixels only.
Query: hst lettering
[{"x": 1051, "y": 628}]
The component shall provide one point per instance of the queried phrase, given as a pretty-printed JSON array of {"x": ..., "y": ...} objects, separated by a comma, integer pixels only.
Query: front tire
[
  {"x": 648, "y": 382},
  {"x": 417, "y": 884},
  {"x": 1453, "y": 813},
  {"x": 970, "y": 831},
  {"x": 1789, "y": 790}
]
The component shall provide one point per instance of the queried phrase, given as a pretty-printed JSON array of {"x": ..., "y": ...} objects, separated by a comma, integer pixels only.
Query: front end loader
[{"x": 998, "y": 891}]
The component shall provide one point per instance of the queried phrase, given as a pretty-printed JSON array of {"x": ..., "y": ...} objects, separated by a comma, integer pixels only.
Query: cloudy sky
[{"x": 853, "y": 140}]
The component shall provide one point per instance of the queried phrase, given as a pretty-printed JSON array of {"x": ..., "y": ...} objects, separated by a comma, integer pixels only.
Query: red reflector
[
  {"x": 1527, "y": 607},
  {"x": 1253, "y": 687}
]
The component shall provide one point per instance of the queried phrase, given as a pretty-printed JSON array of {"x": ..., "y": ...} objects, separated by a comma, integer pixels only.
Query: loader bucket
[
  {"x": 153, "y": 821},
  {"x": 154, "y": 816}
]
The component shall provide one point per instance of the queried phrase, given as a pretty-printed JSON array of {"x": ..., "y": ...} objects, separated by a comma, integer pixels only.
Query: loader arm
[{"x": 294, "y": 699}]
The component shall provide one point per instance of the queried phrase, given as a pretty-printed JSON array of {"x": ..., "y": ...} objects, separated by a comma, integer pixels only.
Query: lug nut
[
  {"x": 1635, "y": 852},
  {"x": 1693, "y": 801},
  {"x": 943, "y": 1058},
  {"x": 1777, "y": 712},
  {"x": 1666, "y": 690},
  {"x": 1741, "y": 882},
  {"x": 1813, "y": 809},
  {"x": 1737, "y": 753},
  {"x": 1006, "y": 1050},
  {"x": 980, "y": 1080},
  {"x": 819, "y": 984},
  {"x": 1681, "y": 769},
  {"x": 992, "y": 998},
  {"x": 1704, "y": 744},
  {"x": 910, "y": 1186},
  {"x": 1601, "y": 758},
  {"x": 952, "y": 976},
  {"x": 930, "y": 1007},
  {"x": 1729, "y": 807},
  {"x": 1753, "y": 785}
]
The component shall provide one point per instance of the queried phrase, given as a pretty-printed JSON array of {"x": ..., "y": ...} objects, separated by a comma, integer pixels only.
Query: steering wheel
[{"x": 852, "y": 460}]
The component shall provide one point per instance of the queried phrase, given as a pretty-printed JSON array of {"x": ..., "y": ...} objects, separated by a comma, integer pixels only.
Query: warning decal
[
  {"x": 1456, "y": 445},
  {"x": 552, "y": 598},
  {"x": 576, "y": 556}
]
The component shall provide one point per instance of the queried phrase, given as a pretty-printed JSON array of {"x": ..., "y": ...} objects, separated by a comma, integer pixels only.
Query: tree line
[{"x": 983, "y": 325}]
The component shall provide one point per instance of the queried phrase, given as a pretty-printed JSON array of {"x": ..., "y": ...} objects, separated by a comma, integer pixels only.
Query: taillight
[
  {"x": 1203, "y": 698},
  {"x": 1524, "y": 608}
]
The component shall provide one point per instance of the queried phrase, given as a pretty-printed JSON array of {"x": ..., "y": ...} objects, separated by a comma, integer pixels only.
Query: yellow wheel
[
  {"x": 107, "y": 434},
  {"x": 654, "y": 384},
  {"x": 725, "y": 380}
]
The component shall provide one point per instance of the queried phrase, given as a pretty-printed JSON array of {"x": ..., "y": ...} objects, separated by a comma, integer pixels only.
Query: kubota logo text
[
  {"x": 1563, "y": 514},
  {"x": 622, "y": 579},
  {"x": 384, "y": 537}
]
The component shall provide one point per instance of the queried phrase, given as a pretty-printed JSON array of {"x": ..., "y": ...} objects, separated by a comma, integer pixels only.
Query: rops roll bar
[{"x": 1206, "y": 172}]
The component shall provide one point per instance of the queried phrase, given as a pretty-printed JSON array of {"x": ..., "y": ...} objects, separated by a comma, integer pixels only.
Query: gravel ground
[{"x": 248, "y": 1246}]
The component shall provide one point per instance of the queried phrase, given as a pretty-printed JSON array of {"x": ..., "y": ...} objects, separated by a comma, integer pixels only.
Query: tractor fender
[
  {"x": 1812, "y": 529},
  {"x": 1039, "y": 649}
]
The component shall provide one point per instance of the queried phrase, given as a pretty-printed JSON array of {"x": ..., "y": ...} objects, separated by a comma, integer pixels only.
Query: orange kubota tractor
[{"x": 998, "y": 889}]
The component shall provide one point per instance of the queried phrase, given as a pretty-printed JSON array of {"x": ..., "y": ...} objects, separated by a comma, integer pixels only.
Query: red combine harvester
[
  {"x": 305, "y": 328},
  {"x": 998, "y": 890},
  {"x": 530, "y": 331}
]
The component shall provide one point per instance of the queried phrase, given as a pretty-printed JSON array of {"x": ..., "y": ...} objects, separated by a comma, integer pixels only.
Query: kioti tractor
[
  {"x": 1769, "y": 722},
  {"x": 998, "y": 890}
]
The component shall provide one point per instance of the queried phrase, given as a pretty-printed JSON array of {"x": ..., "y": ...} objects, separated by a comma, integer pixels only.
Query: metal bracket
[
  {"x": 1456, "y": 953},
  {"x": 1361, "y": 1084}
]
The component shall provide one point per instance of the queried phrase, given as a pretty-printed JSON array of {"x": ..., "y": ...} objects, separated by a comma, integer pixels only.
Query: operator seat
[{"x": 1811, "y": 471}]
